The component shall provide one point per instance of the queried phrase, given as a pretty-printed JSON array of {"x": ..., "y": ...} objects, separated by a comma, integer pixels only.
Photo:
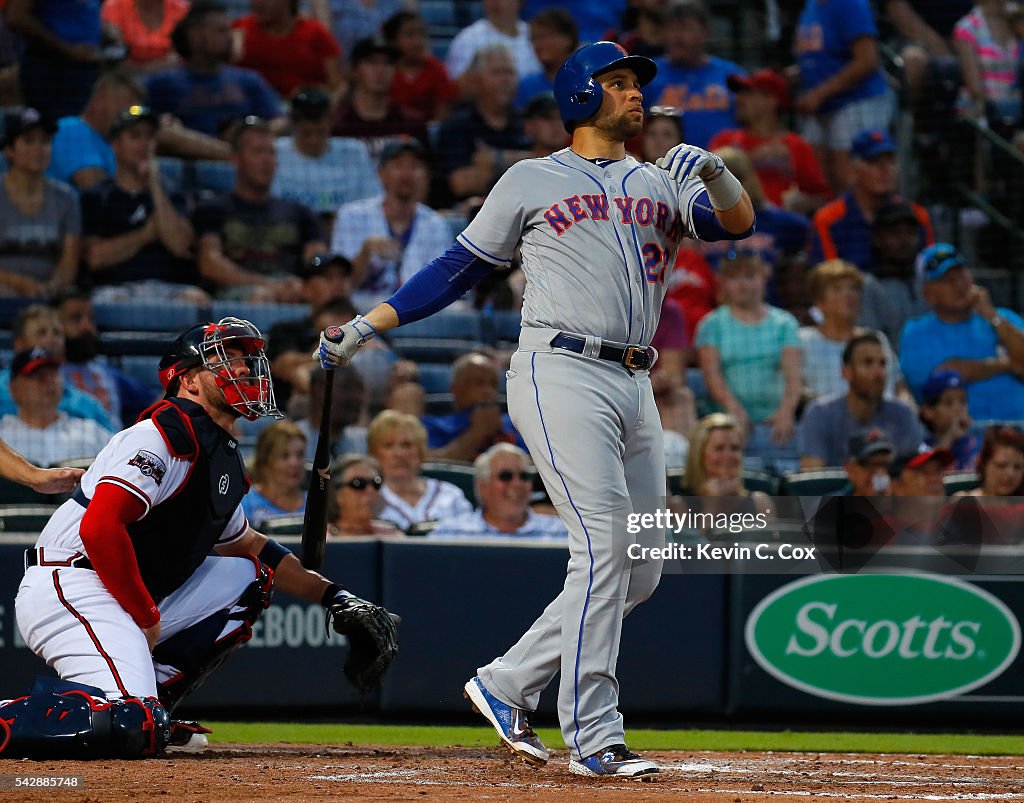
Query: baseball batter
[
  {"x": 599, "y": 231},
  {"x": 121, "y": 594}
]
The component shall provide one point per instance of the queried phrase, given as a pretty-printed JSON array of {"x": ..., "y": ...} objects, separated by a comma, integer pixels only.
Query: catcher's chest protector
[{"x": 179, "y": 533}]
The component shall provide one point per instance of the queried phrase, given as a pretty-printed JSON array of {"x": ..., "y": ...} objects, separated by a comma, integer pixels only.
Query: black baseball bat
[{"x": 314, "y": 521}]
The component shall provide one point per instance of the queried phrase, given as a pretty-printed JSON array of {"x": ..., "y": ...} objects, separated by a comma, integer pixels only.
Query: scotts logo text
[{"x": 883, "y": 639}]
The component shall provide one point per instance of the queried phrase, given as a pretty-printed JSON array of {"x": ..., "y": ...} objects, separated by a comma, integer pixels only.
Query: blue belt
[{"x": 636, "y": 358}]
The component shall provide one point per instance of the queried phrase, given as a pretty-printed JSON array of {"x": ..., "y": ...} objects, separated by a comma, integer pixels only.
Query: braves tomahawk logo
[{"x": 149, "y": 465}]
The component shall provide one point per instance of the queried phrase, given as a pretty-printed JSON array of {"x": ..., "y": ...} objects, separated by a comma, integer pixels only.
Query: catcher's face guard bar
[{"x": 232, "y": 349}]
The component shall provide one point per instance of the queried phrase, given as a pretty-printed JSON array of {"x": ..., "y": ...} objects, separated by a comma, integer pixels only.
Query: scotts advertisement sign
[{"x": 883, "y": 639}]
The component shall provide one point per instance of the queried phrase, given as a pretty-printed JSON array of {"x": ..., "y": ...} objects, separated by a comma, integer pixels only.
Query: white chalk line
[
  {"x": 412, "y": 777},
  {"x": 861, "y": 796},
  {"x": 728, "y": 767}
]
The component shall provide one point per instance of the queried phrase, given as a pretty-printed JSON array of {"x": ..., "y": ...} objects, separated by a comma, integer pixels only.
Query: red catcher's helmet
[{"x": 220, "y": 347}]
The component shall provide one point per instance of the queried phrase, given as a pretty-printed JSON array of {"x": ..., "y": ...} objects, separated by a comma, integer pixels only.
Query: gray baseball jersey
[{"x": 598, "y": 242}]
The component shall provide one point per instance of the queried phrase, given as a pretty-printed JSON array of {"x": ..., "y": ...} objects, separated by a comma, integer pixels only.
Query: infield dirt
[{"x": 227, "y": 772}]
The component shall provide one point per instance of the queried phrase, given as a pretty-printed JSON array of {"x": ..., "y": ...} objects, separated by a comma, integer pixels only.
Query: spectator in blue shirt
[
  {"x": 841, "y": 229},
  {"x": 829, "y": 423},
  {"x": 843, "y": 89},
  {"x": 504, "y": 482},
  {"x": 122, "y": 396},
  {"x": 62, "y": 53},
  {"x": 81, "y": 155},
  {"x": 690, "y": 79},
  {"x": 206, "y": 93},
  {"x": 39, "y": 325},
  {"x": 476, "y": 421},
  {"x": 779, "y": 234},
  {"x": 944, "y": 413},
  {"x": 595, "y": 20},
  {"x": 554, "y": 36},
  {"x": 965, "y": 333}
]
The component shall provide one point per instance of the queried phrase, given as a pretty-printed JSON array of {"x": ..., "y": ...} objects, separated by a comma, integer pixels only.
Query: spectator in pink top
[{"x": 989, "y": 53}]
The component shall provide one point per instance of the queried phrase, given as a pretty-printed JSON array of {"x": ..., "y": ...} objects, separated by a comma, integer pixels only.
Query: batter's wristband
[
  {"x": 273, "y": 553},
  {"x": 724, "y": 191}
]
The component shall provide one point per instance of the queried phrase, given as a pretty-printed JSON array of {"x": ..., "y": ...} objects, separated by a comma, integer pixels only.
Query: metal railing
[{"x": 1003, "y": 200}]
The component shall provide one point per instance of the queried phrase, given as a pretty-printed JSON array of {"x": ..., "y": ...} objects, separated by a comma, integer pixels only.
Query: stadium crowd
[{"x": 296, "y": 163}]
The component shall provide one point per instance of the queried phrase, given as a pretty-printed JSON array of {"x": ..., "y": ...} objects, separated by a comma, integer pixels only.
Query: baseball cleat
[
  {"x": 616, "y": 760},
  {"x": 187, "y": 737},
  {"x": 510, "y": 723}
]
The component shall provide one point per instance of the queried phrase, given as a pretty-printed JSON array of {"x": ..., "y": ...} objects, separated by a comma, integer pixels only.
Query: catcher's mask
[{"x": 222, "y": 348}]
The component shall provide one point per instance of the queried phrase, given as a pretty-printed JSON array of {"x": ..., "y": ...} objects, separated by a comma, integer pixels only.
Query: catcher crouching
[{"x": 146, "y": 579}]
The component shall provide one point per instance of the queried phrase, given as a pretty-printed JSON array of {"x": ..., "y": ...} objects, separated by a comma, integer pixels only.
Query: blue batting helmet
[{"x": 578, "y": 94}]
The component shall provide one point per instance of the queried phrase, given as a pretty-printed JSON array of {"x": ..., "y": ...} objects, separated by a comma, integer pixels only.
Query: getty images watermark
[
  {"x": 690, "y": 521},
  {"x": 806, "y": 535}
]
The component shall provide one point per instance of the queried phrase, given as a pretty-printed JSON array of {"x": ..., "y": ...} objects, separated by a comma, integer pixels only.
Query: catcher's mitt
[{"x": 372, "y": 634}]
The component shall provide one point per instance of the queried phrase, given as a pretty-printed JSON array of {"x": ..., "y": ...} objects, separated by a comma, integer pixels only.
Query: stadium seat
[
  {"x": 814, "y": 482},
  {"x": 282, "y": 525},
  {"x": 147, "y": 317},
  {"x": 459, "y": 474},
  {"x": 118, "y": 344},
  {"x": 437, "y": 403},
  {"x": 214, "y": 176},
  {"x": 262, "y": 315},
  {"x": 433, "y": 349},
  {"x": 439, "y": 338},
  {"x": 438, "y": 13},
  {"x": 10, "y": 307},
  {"x": 435, "y": 377},
  {"x": 754, "y": 480},
  {"x": 74, "y": 462},
  {"x": 450, "y": 325},
  {"x": 695, "y": 382},
  {"x": 173, "y": 173},
  {"x": 25, "y": 518},
  {"x": 141, "y": 367},
  {"x": 14, "y": 493},
  {"x": 961, "y": 481},
  {"x": 501, "y": 326}
]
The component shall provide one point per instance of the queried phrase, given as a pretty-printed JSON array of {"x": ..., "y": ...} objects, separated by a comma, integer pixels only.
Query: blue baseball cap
[
  {"x": 872, "y": 143},
  {"x": 936, "y": 260},
  {"x": 938, "y": 383}
]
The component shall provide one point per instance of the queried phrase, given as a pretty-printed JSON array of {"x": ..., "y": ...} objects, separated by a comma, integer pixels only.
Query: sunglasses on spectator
[
  {"x": 361, "y": 483},
  {"x": 507, "y": 476}
]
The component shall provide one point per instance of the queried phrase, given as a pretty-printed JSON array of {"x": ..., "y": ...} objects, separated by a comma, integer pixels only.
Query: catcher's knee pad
[
  {"x": 61, "y": 720},
  {"x": 202, "y": 647}
]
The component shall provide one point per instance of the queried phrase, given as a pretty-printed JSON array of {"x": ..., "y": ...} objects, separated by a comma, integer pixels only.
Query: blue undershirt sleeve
[
  {"x": 438, "y": 284},
  {"x": 706, "y": 224}
]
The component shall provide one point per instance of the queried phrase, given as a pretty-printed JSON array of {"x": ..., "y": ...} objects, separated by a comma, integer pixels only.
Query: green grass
[{"x": 413, "y": 735}]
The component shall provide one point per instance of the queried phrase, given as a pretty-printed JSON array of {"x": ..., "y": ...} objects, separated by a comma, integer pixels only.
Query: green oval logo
[{"x": 883, "y": 639}]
